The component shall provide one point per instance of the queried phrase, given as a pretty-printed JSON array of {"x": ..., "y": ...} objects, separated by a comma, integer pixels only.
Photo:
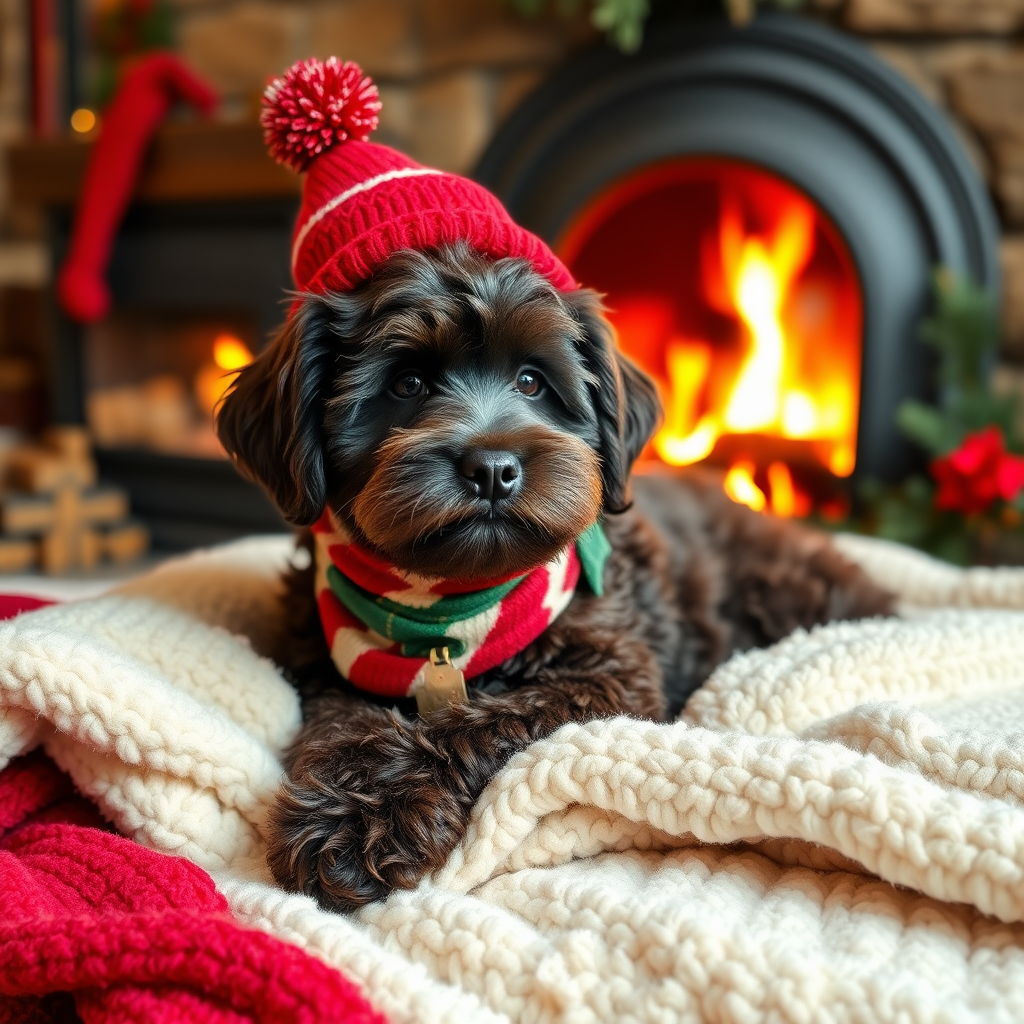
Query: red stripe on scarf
[
  {"x": 386, "y": 673},
  {"x": 446, "y": 588},
  {"x": 334, "y": 615},
  {"x": 366, "y": 570},
  {"x": 380, "y": 577},
  {"x": 521, "y": 620}
]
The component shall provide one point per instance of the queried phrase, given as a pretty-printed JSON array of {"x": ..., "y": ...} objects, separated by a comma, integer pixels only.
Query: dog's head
[{"x": 462, "y": 417}]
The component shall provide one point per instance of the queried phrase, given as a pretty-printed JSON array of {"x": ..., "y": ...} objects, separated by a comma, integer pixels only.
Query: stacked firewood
[{"x": 52, "y": 513}]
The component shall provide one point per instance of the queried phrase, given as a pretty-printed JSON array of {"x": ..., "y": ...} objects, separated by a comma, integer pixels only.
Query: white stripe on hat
[{"x": 363, "y": 186}]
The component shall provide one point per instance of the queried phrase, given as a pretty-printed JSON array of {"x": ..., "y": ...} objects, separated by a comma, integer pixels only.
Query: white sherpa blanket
[{"x": 833, "y": 832}]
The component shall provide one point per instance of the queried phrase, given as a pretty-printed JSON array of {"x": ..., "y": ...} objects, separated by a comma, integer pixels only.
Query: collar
[{"x": 381, "y": 623}]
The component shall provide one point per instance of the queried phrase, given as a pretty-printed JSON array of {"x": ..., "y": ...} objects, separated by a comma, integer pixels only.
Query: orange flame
[
  {"x": 786, "y": 499},
  {"x": 230, "y": 354},
  {"x": 796, "y": 378},
  {"x": 783, "y": 497},
  {"x": 739, "y": 485}
]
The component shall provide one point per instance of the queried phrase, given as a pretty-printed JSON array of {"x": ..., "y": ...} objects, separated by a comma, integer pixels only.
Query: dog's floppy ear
[
  {"x": 628, "y": 410},
  {"x": 271, "y": 420}
]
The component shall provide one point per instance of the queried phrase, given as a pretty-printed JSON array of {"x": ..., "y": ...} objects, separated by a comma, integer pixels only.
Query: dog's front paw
[{"x": 367, "y": 808}]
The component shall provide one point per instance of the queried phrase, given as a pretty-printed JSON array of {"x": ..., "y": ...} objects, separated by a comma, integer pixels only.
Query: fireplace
[
  {"x": 153, "y": 379},
  {"x": 199, "y": 274},
  {"x": 198, "y": 289},
  {"x": 763, "y": 208}
]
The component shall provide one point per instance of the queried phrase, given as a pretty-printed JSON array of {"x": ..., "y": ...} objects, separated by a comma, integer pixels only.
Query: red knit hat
[{"x": 361, "y": 202}]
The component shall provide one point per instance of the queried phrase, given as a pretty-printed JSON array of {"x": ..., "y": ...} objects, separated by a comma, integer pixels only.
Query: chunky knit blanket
[{"x": 834, "y": 830}]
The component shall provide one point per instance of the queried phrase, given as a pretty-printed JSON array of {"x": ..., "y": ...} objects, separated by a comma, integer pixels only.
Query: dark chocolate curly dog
[{"x": 463, "y": 419}]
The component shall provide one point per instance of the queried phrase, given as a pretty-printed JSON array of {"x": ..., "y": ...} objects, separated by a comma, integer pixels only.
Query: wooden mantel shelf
[{"x": 186, "y": 161}]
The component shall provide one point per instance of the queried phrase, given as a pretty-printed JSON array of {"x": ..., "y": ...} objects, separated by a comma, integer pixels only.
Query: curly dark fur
[{"x": 377, "y": 797}]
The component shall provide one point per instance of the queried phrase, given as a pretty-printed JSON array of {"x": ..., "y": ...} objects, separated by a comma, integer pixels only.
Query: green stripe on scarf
[
  {"x": 593, "y": 549},
  {"x": 418, "y": 630}
]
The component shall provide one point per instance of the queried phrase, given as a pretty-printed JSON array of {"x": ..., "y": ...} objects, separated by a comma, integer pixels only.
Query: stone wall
[{"x": 448, "y": 70}]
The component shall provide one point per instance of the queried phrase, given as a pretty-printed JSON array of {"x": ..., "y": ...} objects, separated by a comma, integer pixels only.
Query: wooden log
[
  {"x": 21, "y": 515},
  {"x": 123, "y": 543},
  {"x": 64, "y": 521},
  {"x": 16, "y": 555},
  {"x": 70, "y": 441},
  {"x": 39, "y": 471},
  {"x": 104, "y": 505},
  {"x": 55, "y": 554},
  {"x": 62, "y": 546},
  {"x": 90, "y": 549}
]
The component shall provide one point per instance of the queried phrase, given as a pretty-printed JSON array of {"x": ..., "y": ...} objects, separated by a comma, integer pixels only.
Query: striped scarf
[{"x": 381, "y": 623}]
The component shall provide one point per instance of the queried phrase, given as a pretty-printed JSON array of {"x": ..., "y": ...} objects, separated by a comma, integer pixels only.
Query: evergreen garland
[{"x": 622, "y": 21}]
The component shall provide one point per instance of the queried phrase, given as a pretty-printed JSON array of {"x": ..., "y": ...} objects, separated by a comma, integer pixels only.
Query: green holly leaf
[
  {"x": 927, "y": 426},
  {"x": 964, "y": 329},
  {"x": 975, "y": 410}
]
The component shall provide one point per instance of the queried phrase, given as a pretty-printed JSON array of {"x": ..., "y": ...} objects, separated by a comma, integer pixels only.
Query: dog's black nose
[{"x": 492, "y": 475}]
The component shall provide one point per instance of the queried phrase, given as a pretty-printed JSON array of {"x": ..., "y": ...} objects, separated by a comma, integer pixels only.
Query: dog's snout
[{"x": 492, "y": 475}]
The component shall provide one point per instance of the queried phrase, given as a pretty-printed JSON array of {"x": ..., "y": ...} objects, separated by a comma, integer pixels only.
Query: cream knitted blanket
[{"x": 833, "y": 832}]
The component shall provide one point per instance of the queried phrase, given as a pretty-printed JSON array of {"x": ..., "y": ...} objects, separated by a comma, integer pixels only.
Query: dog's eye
[
  {"x": 407, "y": 385},
  {"x": 529, "y": 383}
]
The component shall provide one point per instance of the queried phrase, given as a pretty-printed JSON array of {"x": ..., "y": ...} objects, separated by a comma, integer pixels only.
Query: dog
[{"x": 464, "y": 419}]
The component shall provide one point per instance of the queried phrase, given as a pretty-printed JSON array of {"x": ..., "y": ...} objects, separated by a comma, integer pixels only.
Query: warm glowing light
[
  {"x": 786, "y": 498},
  {"x": 759, "y": 274},
  {"x": 688, "y": 364},
  {"x": 842, "y": 460},
  {"x": 791, "y": 381},
  {"x": 783, "y": 498},
  {"x": 229, "y": 353},
  {"x": 799, "y": 415},
  {"x": 739, "y": 485},
  {"x": 749, "y": 317},
  {"x": 213, "y": 380},
  {"x": 83, "y": 120},
  {"x": 683, "y": 451}
]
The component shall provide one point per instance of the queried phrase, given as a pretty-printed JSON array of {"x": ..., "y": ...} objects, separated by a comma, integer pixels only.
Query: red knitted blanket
[{"x": 94, "y": 927}]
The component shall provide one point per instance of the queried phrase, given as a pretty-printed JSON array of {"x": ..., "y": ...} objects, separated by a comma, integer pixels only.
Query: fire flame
[
  {"x": 783, "y": 498},
  {"x": 794, "y": 380},
  {"x": 229, "y": 354},
  {"x": 739, "y": 485}
]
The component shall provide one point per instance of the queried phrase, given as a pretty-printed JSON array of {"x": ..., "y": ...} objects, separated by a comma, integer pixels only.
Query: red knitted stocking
[{"x": 144, "y": 97}]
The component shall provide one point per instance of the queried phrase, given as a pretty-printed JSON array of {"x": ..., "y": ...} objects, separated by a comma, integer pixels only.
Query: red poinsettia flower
[{"x": 977, "y": 473}]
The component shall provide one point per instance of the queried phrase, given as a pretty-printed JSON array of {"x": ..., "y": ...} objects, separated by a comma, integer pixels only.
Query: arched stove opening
[{"x": 745, "y": 309}]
